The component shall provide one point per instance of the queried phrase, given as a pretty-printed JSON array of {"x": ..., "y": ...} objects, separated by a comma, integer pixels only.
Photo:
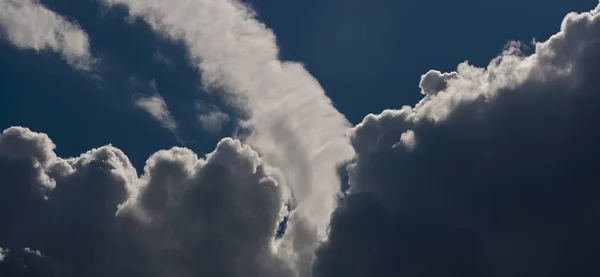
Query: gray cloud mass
[
  {"x": 493, "y": 173},
  {"x": 183, "y": 217},
  {"x": 500, "y": 178}
]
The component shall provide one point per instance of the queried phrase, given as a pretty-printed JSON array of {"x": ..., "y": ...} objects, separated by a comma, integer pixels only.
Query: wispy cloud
[
  {"x": 211, "y": 117},
  {"x": 156, "y": 106},
  {"x": 28, "y": 24},
  {"x": 158, "y": 57}
]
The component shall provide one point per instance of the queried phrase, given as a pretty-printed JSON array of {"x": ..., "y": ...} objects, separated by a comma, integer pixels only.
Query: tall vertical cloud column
[{"x": 293, "y": 124}]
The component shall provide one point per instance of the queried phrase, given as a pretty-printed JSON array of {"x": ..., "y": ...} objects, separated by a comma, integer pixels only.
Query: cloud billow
[
  {"x": 492, "y": 173},
  {"x": 3, "y": 254},
  {"x": 506, "y": 156},
  {"x": 93, "y": 216},
  {"x": 291, "y": 122}
]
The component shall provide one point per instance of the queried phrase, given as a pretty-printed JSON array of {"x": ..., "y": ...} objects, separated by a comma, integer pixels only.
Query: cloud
[
  {"x": 293, "y": 124},
  {"x": 492, "y": 173},
  {"x": 366, "y": 239},
  {"x": 221, "y": 212},
  {"x": 156, "y": 106},
  {"x": 27, "y": 24},
  {"x": 31, "y": 263},
  {"x": 159, "y": 57},
  {"x": 211, "y": 117},
  {"x": 58, "y": 206},
  {"x": 435, "y": 81},
  {"x": 184, "y": 216},
  {"x": 30, "y": 251},
  {"x": 3, "y": 254}
]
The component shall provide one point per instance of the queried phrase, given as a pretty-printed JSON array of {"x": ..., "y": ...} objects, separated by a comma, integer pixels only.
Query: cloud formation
[
  {"x": 292, "y": 123},
  {"x": 31, "y": 251},
  {"x": 211, "y": 117},
  {"x": 28, "y": 24},
  {"x": 93, "y": 215},
  {"x": 3, "y": 254},
  {"x": 492, "y": 173},
  {"x": 220, "y": 212},
  {"x": 156, "y": 106},
  {"x": 26, "y": 263}
]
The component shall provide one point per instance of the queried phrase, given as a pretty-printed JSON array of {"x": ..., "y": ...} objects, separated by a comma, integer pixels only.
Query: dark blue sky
[{"x": 367, "y": 54}]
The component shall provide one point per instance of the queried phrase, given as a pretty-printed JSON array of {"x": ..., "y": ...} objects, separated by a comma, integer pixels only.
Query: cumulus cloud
[
  {"x": 28, "y": 24},
  {"x": 184, "y": 216},
  {"x": 156, "y": 107},
  {"x": 435, "y": 81},
  {"x": 61, "y": 207},
  {"x": 293, "y": 124},
  {"x": 492, "y": 173},
  {"x": 499, "y": 178},
  {"x": 221, "y": 212},
  {"x": 211, "y": 117}
]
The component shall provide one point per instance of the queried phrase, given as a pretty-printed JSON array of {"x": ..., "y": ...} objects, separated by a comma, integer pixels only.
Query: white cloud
[
  {"x": 29, "y": 25},
  {"x": 3, "y": 254},
  {"x": 294, "y": 126},
  {"x": 156, "y": 106}
]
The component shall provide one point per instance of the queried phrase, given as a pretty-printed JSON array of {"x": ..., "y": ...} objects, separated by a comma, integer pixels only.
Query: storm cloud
[{"x": 492, "y": 173}]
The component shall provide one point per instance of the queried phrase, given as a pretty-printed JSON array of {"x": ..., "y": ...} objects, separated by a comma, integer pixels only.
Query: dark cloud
[
  {"x": 493, "y": 173},
  {"x": 62, "y": 207},
  {"x": 366, "y": 239},
  {"x": 93, "y": 216}
]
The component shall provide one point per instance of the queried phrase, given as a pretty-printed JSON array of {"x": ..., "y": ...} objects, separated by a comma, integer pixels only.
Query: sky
[{"x": 299, "y": 138}]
